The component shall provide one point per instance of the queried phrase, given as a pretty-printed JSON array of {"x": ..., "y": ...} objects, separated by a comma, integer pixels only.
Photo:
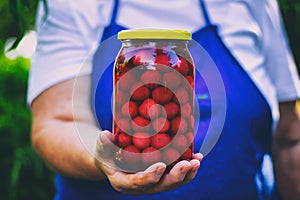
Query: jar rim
[{"x": 154, "y": 34}]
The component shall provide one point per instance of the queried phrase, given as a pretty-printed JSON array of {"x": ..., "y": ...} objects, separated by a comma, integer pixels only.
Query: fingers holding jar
[{"x": 152, "y": 180}]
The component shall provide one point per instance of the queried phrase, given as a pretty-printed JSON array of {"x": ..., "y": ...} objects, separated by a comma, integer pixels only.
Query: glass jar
[{"x": 153, "y": 106}]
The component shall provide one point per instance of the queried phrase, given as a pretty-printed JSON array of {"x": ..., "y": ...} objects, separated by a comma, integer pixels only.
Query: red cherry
[
  {"x": 126, "y": 81},
  {"x": 139, "y": 93},
  {"x": 186, "y": 110},
  {"x": 117, "y": 115},
  {"x": 171, "y": 109},
  {"x": 129, "y": 109},
  {"x": 162, "y": 95},
  {"x": 190, "y": 80},
  {"x": 182, "y": 66},
  {"x": 154, "y": 111},
  {"x": 141, "y": 140},
  {"x": 192, "y": 121},
  {"x": 124, "y": 124},
  {"x": 151, "y": 78},
  {"x": 170, "y": 155},
  {"x": 172, "y": 79},
  {"x": 163, "y": 68},
  {"x": 149, "y": 108},
  {"x": 178, "y": 125},
  {"x": 160, "y": 140},
  {"x": 140, "y": 124},
  {"x": 182, "y": 95},
  {"x": 187, "y": 155},
  {"x": 124, "y": 140},
  {"x": 159, "y": 51},
  {"x": 131, "y": 154},
  {"x": 180, "y": 143},
  {"x": 175, "y": 99},
  {"x": 121, "y": 97},
  {"x": 190, "y": 137},
  {"x": 161, "y": 125},
  {"x": 151, "y": 155},
  {"x": 162, "y": 59}
]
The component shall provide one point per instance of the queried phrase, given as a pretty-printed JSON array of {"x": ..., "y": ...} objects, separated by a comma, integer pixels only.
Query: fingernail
[
  {"x": 201, "y": 155},
  {"x": 105, "y": 137}
]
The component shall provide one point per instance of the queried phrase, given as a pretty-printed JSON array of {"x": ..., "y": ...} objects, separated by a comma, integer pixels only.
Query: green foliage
[
  {"x": 23, "y": 174},
  {"x": 17, "y": 16},
  {"x": 291, "y": 16}
]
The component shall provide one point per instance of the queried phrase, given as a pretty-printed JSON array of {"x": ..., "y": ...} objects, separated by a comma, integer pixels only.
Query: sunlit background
[{"x": 23, "y": 174}]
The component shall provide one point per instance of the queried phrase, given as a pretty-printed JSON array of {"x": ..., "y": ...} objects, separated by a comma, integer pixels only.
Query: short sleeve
[
  {"x": 66, "y": 38},
  {"x": 280, "y": 63}
]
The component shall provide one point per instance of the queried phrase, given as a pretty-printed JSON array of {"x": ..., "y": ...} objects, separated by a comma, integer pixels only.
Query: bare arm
[
  {"x": 55, "y": 138},
  {"x": 286, "y": 151},
  {"x": 54, "y": 134}
]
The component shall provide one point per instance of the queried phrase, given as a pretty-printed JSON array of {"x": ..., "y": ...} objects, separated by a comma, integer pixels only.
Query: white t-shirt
[{"x": 252, "y": 30}]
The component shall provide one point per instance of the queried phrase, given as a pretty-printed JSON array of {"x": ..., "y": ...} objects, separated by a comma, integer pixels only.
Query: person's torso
[
  {"x": 231, "y": 166},
  {"x": 238, "y": 25}
]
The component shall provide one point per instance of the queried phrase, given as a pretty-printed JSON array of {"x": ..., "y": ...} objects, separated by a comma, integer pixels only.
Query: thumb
[
  {"x": 106, "y": 152},
  {"x": 105, "y": 148},
  {"x": 106, "y": 137}
]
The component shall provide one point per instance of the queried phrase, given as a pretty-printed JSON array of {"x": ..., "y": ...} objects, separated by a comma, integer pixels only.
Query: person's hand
[
  {"x": 286, "y": 150},
  {"x": 152, "y": 180}
]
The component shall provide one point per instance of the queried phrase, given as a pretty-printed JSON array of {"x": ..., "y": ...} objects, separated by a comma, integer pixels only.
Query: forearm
[
  {"x": 55, "y": 125},
  {"x": 61, "y": 147},
  {"x": 286, "y": 152}
]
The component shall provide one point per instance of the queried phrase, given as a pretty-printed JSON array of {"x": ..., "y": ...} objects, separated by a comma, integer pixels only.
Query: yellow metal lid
[{"x": 154, "y": 34}]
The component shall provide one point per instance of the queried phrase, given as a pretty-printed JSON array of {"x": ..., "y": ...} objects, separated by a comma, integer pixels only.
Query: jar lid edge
[{"x": 175, "y": 34}]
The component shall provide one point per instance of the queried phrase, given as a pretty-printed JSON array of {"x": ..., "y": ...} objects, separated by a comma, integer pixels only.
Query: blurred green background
[{"x": 23, "y": 174}]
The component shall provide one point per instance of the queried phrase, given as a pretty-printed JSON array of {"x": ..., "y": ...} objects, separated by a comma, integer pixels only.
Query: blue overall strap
[
  {"x": 115, "y": 13},
  {"x": 205, "y": 13},
  {"x": 113, "y": 28},
  {"x": 103, "y": 64}
]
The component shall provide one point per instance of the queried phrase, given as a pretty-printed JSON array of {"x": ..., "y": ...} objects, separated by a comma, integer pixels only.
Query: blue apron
[{"x": 230, "y": 168}]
